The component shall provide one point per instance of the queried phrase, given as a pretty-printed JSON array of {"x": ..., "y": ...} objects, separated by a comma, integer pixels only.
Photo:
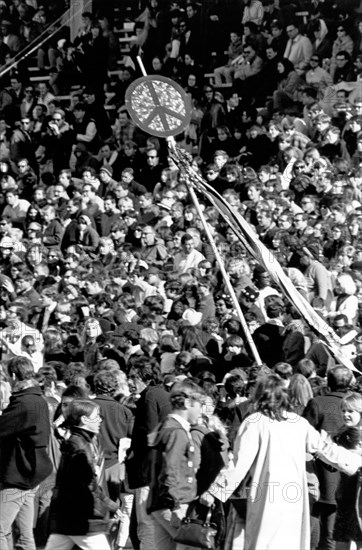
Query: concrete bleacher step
[{"x": 39, "y": 78}]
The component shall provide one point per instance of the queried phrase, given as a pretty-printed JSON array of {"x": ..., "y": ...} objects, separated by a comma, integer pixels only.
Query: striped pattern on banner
[{"x": 260, "y": 252}]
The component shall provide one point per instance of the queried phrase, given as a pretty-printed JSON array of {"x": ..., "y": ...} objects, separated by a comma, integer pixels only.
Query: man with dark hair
[
  {"x": 118, "y": 231},
  {"x": 117, "y": 424},
  {"x": 153, "y": 250},
  {"x": 188, "y": 257},
  {"x": 153, "y": 406},
  {"x": 15, "y": 208},
  {"x": 85, "y": 128},
  {"x": 344, "y": 68},
  {"x": 24, "y": 288},
  {"x": 207, "y": 304},
  {"x": 268, "y": 337},
  {"x": 174, "y": 483},
  {"x": 150, "y": 175},
  {"x": 324, "y": 413},
  {"x": 110, "y": 215},
  {"x": 24, "y": 461}
]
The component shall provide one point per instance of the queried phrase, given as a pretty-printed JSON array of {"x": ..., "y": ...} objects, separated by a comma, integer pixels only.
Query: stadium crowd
[{"x": 129, "y": 394}]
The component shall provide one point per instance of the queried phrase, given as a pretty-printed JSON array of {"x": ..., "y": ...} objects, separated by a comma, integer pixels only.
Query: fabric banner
[{"x": 265, "y": 257}]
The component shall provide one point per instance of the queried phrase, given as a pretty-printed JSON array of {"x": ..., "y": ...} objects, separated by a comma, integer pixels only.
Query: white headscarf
[{"x": 323, "y": 33}]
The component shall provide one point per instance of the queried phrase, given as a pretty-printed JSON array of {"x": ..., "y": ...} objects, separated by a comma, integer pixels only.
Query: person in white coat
[{"x": 270, "y": 451}]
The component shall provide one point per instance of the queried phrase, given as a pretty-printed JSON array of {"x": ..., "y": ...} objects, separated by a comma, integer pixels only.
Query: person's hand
[
  {"x": 118, "y": 514},
  {"x": 207, "y": 499},
  {"x": 9, "y": 287},
  {"x": 176, "y": 517}
]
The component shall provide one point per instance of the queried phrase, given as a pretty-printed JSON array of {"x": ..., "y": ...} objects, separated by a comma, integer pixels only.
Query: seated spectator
[
  {"x": 322, "y": 45},
  {"x": 247, "y": 71},
  {"x": 343, "y": 43},
  {"x": 299, "y": 48},
  {"x": 234, "y": 51},
  {"x": 288, "y": 83},
  {"x": 343, "y": 70},
  {"x": 317, "y": 77}
]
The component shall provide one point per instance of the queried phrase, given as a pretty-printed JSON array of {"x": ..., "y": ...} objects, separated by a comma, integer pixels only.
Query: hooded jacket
[{"x": 79, "y": 504}]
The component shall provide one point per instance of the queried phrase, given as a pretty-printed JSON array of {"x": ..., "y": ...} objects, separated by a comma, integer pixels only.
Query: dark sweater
[
  {"x": 152, "y": 408},
  {"x": 117, "y": 423}
]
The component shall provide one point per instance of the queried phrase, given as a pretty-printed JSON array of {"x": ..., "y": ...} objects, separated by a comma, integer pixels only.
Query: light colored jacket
[{"x": 299, "y": 51}]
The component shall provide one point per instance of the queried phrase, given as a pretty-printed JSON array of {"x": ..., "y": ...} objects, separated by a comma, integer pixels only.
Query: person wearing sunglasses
[
  {"x": 57, "y": 144},
  {"x": 342, "y": 43},
  {"x": 344, "y": 70},
  {"x": 28, "y": 102},
  {"x": 316, "y": 76}
]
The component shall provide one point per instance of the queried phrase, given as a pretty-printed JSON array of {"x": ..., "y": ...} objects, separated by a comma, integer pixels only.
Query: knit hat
[
  {"x": 34, "y": 226},
  {"x": 92, "y": 180},
  {"x": 108, "y": 170},
  {"x": 6, "y": 242},
  {"x": 164, "y": 206}
]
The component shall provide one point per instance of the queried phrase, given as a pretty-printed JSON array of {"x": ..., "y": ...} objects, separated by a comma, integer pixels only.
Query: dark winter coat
[
  {"x": 79, "y": 504},
  {"x": 117, "y": 423},
  {"x": 152, "y": 408},
  {"x": 324, "y": 413},
  {"x": 24, "y": 438}
]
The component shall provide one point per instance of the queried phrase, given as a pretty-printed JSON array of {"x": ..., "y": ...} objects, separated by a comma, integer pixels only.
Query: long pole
[
  {"x": 39, "y": 41},
  {"x": 224, "y": 273},
  {"x": 172, "y": 146}
]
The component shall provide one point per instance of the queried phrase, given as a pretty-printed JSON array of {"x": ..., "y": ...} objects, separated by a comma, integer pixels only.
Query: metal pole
[
  {"x": 142, "y": 67},
  {"x": 226, "y": 278},
  {"x": 24, "y": 54}
]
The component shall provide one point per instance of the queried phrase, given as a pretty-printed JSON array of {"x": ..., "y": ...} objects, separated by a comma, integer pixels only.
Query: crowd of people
[{"x": 130, "y": 396}]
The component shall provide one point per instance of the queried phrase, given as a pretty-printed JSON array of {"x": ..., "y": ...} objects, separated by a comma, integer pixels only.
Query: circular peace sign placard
[{"x": 158, "y": 105}]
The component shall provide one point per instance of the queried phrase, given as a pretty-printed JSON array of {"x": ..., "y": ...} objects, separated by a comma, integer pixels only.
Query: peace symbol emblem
[{"x": 158, "y": 105}]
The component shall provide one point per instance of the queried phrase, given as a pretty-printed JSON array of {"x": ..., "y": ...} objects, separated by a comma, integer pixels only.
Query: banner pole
[{"x": 226, "y": 278}]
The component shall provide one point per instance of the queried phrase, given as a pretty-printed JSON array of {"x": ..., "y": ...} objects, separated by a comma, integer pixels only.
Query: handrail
[{"x": 21, "y": 55}]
